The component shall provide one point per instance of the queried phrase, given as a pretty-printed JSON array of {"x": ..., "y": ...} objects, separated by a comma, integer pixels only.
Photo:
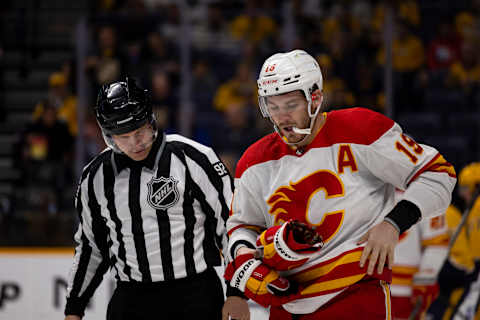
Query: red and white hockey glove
[
  {"x": 425, "y": 291},
  {"x": 259, "y": 282},
  {"x": 289, "y": 245}
]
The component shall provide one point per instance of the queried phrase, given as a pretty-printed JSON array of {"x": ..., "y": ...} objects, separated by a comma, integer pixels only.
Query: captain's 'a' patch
[{"x": 162, "y": 193}]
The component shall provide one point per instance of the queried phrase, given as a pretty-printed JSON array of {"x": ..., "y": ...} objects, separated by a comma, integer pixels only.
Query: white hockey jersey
[
  {"x": 420, "y": 251},
  {"x": 343, "y": 183}
]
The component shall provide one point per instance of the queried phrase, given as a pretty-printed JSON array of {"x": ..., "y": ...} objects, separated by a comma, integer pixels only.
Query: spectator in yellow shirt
[
  {"x": 406, "y": 10},
  {"x": 408, "y": 57},
  {"x": 408, "y": 50},
  {"x": 242, "y": 88},
  {"x": 466, "y": 24},
  {"x": 253, "y": 25},
  {"x": 60, "y": 97},
  {"x": 466, "y": 72}
]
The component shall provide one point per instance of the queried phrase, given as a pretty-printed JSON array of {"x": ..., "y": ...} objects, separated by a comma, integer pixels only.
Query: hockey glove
[
  {"x": 425, "y": 290},
  {"x": 259, "y": 282},
  {"x": 289, "y": 245}
]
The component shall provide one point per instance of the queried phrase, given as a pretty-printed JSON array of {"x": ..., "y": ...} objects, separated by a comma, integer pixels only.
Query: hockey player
[
  {"x": 419, "y": 256},
  {"x": 459, "y": 277},
  {"x": 314, "y": 221}
]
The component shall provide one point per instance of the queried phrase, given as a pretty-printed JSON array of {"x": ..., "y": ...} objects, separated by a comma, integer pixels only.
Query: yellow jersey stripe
[
  {"x": 325, "y": 269},
  {"x": 331, "y": 284}
]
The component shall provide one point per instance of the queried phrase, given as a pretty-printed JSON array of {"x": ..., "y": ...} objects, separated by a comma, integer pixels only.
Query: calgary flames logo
[{"x": 293, "y": 201}]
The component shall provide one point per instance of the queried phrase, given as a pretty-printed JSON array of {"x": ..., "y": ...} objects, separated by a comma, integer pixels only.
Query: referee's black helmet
[{"x": 122, "y": 107}]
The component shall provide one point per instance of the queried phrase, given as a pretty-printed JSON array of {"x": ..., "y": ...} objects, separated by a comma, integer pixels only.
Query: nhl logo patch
[{"x": 162, "y": 193}]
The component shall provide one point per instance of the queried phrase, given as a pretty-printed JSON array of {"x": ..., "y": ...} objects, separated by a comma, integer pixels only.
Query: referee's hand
[
  {"x": 72, "y": 318},
  {"x": 236, "y": 308}
]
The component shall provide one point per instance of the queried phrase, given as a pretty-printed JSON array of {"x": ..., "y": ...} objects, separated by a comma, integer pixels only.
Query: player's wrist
[
  {"x": 239, "y": 246},
  {"x": 234, "y": 292},
  {"x": 244, "y": 250},
  {"x": 404, "y": 215},
  {"x": 390, "y": 221}
]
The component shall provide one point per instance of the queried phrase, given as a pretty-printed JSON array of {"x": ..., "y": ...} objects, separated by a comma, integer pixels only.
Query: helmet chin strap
[
  {"x": 110, "y": 143},
  {"x": 306, "y": 132}
]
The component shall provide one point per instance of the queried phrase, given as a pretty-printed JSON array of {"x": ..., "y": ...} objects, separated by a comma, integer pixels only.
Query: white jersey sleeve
[
  {"x": 434, "y": 235},
  {"x": 243, "y": 226},
  {"x": 420, "y": 170}
]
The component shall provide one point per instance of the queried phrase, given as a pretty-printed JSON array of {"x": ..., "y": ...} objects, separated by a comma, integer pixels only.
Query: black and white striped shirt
[{"x": 159, "y": 219}]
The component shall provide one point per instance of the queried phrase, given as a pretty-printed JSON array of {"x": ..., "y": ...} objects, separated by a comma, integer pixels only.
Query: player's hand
[
  {"x": 303, "y": 237},
  {"x": 288, "y": 246},
  {"x": 381, "y": 241},
  {"x": 236, "y": 308},
  {"x": 73, "y": 318}
]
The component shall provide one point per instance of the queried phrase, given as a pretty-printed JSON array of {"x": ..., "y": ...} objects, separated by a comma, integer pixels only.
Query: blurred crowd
[{"x": 435, "y": 70}]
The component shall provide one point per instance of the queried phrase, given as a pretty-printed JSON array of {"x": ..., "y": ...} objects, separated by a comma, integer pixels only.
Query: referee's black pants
[{"x": 196, "y": 297}]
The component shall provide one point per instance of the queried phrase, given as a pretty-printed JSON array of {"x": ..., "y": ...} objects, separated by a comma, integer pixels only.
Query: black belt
[{"x": 164, "y": 284}]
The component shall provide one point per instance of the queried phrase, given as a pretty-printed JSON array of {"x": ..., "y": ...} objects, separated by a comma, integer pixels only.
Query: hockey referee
[{"x": 152, "y": 209}]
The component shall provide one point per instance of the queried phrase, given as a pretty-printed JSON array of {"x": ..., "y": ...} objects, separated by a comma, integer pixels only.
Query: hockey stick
[{"x": 416, "y": 310}]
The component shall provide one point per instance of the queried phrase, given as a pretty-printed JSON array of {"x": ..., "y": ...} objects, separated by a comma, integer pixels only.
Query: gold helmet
[{"x": 470, "y": 176}]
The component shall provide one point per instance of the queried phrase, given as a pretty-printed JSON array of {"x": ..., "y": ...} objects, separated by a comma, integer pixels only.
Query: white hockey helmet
[{"x": 287, "y": 72}]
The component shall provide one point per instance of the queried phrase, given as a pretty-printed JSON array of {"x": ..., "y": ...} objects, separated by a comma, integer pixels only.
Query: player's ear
[{"x": 317, "y": 99}]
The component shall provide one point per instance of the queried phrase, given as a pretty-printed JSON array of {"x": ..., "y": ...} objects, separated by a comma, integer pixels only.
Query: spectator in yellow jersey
[
  {"x": 239, "y": 89},
  {"x": 60, "y": 97},
  {"x": 465, "y": 24},
  {"x": 253, "y": 26},
  {"x": 406, "y": 10},
  {"x": 408, "y": 51},
  {"x": 465, "y": 74},
  {"x": 408, "y": 59}
]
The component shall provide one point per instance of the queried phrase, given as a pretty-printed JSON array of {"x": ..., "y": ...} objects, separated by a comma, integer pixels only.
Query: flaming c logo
[{"x": 292, "y": 201}]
